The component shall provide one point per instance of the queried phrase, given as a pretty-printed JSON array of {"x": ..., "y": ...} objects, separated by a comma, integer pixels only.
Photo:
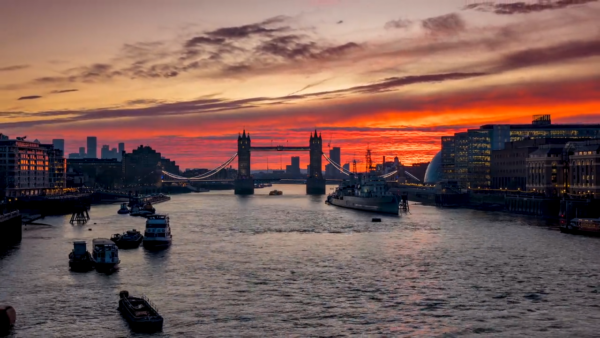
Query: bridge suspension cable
[
  {"x": 204, "y": 175},
  {"x": 337, "y": 165}
]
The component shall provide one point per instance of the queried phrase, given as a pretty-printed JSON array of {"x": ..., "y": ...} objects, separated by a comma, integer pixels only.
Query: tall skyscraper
[
  {"x": 59, "y": 143},
  {"x": 121, "y": 150},
  {"x": 92, "y": 147},
  {"x": 335, "y": 156},
  {"x": 81, "y": 152},
  {"x": 295, "y": 165},
  {"x": 105, "y": 152}
]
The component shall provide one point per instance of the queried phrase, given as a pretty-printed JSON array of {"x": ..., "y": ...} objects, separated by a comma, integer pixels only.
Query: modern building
[
  {"x": 101, "y": 173},
  {"x": 509, "y": 166},
  {"x": 583, "y": 177},
  {"x": 82, "y": 153},
  {"x": 57, "y": 169},
  {"x": 472, "y": 149},
  {"x": 346, "y": 167},
  {"x": 448, "y": 153},
  {"x": 121, "y": 150},
  {"x": 144, "y": 166},
  {"x": 29, "y": 168},
  {"x": 105, "y": 152},
  {"x": 59, "y": 144},
  {"x": 92, "y": 147},
  {"x": 433, "y": 174},
  {"x": 293, "y": 170},
  {"x": 418, "y": 170}
]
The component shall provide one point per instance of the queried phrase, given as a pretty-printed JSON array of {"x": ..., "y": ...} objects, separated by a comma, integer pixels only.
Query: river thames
[{"x": 292, "y": 266}]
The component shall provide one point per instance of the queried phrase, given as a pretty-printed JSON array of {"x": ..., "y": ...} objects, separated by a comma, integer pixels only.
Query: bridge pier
[
  {"x": 315, "y": 186},
  {"x": 244, "y": 186}
]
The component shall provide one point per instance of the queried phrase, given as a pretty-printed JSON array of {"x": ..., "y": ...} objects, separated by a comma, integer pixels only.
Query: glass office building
[{"x": 472, "y": 149}]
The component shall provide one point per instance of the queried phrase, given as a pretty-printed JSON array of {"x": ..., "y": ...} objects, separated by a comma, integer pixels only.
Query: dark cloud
[
  {"x": 288, "y": 47},
  {"x": 524, "y": 7},
  {"x": 15, "y": 67},
  {"x": 449, "y": 24},
  {"x": 31, "y": 97},
  {"x": 64, "y": 91},
  {"x": 213, "y": 105},
  {"x": 142, "y": 101},
  {"x": 240, "y": 32},
  {"x": 398, "y": 24},
  {"x": 549, "y": 55},
  {"x": 203, "y": 40},
  {"x": 395, "y": 82},
  {"x": 337, "y": 51}
]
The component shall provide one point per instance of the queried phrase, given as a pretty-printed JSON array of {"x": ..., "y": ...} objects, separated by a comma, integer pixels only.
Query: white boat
[
  {"x": 158, "y": 232},
  {"x": 105, "y": 254}
]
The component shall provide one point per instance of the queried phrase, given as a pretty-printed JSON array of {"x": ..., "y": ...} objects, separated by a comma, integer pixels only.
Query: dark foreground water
[{"x": 275, "y": 266}]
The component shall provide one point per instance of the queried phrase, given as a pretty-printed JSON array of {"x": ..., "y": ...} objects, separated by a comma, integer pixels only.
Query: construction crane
[{"x": 369, "y": 161}]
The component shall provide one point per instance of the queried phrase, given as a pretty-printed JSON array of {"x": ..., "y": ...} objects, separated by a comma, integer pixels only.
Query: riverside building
[
  {"x": 30, "y": 168},
  {"x": 472, "y": 150}
]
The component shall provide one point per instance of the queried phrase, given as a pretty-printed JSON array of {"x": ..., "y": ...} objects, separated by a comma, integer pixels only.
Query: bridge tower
[
  {"x": 315, "y": 183},
  {"x": 244, "y": 183}
]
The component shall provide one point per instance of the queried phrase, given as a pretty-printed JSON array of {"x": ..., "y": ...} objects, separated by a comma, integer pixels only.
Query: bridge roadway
[{"x": 279, "y": 148}]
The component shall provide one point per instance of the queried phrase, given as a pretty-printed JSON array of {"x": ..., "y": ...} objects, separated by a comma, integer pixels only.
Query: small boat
[
  {"x": 276, "y": 192},
  {"x": 158, "y": 232},
  {"x": 582, "y": 226},
  {"x": 130, "y": 239},
  {"x": 143, "y": 211},
  {"x": 8, "y": 317},
  {"x": 80, "y": 259},
  {"x": 124, "y": 210},
  {"x": 105, "y": 254},
  {"x": 140, "y": 313}
]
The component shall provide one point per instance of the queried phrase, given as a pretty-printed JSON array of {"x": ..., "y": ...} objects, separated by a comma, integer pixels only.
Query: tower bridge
[
  {"x": 315, "y": 183},
  {"x": 244, "y": 182}
]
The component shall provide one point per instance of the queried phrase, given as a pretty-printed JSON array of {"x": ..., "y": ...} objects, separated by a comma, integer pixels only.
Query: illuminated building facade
[{"x": 473, "y": 149}]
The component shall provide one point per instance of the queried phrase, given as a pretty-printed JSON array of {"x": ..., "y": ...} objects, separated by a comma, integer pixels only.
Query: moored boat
[
  {"x": 368, "y": 193},
  {"x": 8, "y": 317},
  {"x": 140, "y": 313},
  {"x": 276, "y": 193},
  {"x": 105, "y": 254},
  {"x": 124, "y": 210},
  {"x": 158, "y": 232},
  {"x": 583, "y": 226},
  {"x": 130, "y": 239},
  {"x": 80, "y": 259}
]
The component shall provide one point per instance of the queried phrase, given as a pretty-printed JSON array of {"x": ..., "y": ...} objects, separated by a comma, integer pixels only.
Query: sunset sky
[{"x": 185, "y": 76}]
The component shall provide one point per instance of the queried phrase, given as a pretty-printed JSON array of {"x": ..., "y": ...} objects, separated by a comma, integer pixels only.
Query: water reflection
[{"x": 292, "y": 266}]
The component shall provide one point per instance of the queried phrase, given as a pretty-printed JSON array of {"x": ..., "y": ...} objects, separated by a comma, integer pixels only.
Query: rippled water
[{"x": 292, "y": 266}]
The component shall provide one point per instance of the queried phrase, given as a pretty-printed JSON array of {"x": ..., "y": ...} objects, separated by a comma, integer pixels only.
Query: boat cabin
[{"x": 105, "y": 251}]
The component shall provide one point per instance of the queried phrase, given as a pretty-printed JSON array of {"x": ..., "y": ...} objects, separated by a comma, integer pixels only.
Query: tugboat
[
  {"x": 130, "y": 239},
  {"x": 158, "y": 232},
  {"x": 140, "y": 313},
  {"x": 105, "y": 255},
  {"x": 276, "y": 193},
  {"x": 124, "y": 210},
  {"x": 368, "y": 193},
  {"x": 80, "y": 259}
]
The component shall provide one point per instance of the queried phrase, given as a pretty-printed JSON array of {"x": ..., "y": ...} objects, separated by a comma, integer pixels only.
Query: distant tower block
[
  {"x": 244, "y": 183},
  {"x": 315, "y": 183}
]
